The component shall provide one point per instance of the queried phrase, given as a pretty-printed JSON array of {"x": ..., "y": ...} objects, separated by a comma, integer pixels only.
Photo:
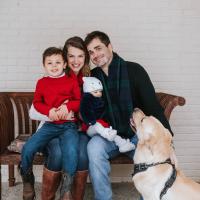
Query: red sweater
[
  {"x": 78, "y": 77},
  {"x": 52, "y": 92}
]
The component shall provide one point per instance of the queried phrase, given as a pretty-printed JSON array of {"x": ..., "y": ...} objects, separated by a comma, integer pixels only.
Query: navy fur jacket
[{"x": 91, "y": 108}]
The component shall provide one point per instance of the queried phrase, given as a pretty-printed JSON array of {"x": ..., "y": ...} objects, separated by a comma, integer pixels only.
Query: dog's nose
[{"x": 136, "y": 109}]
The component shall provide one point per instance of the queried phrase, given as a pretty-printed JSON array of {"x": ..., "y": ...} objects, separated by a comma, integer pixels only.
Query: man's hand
[{"x": 53, "y": 115}]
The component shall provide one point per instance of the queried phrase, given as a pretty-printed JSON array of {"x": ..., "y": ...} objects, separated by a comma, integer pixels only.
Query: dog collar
[{"x": 143, "y": 167}]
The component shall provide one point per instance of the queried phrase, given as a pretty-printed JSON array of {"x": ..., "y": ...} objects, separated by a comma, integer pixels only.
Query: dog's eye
[{"x": 142, "y": 119}]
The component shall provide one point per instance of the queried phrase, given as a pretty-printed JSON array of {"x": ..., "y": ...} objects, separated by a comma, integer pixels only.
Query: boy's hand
[
  {"x": 53, "y": 115},
  {"x": 62, "y": 111}
]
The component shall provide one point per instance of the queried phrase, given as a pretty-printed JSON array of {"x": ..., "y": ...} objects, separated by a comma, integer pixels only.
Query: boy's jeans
[
  {"x": 68, "y": 139},
  {"x": 100, "y": 151}
]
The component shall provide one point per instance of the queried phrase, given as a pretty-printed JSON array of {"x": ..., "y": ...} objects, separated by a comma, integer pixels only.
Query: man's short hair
[
  {"x": 51, "y": 51},
  {"x": 103, "y": 37}
]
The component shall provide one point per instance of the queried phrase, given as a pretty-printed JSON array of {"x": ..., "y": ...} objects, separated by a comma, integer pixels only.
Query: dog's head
[
  {"x": 148, "y": 128},
  {"x": 152, "y": 135}
]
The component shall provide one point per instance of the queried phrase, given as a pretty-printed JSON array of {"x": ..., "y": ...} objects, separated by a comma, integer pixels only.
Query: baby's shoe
[
  {"x": 109, "y": 134},
  {"x": 124, "y": 144},
  {"x": 112, "y": 134}
]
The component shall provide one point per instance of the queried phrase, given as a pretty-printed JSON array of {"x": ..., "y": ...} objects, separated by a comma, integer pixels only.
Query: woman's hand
[{"x": 70, "y": 116}]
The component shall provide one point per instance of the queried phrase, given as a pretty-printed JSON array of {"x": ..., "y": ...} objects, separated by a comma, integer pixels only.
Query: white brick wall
[{"x": 162, "y": 35}]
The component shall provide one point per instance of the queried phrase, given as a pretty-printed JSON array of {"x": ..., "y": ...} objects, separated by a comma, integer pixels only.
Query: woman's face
[{"x": 75, "y": 59}]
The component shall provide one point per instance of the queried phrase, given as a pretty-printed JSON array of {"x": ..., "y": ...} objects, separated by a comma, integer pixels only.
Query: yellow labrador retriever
[{"x": 155, "y": 170}]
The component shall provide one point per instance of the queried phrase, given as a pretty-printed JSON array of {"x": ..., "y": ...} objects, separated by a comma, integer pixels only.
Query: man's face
[{"x": 100, "y": 54}]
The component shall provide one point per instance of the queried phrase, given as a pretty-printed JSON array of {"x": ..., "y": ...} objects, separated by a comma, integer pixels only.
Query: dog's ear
[
  {"x": 144, "y": 134},
  {"x": 149, "y": 140},
  {"x": 146, "y": 130},
  {"x": 141, "y": 138}
]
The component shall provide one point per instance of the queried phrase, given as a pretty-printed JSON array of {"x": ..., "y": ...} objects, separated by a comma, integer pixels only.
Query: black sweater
[{"x": 142, "y": 91}]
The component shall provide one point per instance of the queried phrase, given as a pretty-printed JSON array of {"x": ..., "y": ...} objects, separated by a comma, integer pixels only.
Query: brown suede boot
[
  {"x": 78, "y": 188},
  {"x": 50, "y": 183}
]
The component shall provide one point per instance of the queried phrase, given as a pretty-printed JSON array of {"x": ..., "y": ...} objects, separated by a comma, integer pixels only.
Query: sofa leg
[{"x": 11, "y": 175}]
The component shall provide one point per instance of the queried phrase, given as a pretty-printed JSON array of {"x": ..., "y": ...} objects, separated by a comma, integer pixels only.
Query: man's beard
[{"x": 102, "y": 62}]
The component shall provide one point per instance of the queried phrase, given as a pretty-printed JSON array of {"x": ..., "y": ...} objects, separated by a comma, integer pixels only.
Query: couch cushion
[{"x": 17, "y": 144}]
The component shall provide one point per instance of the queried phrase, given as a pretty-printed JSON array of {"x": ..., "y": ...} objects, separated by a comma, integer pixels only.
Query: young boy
[
  {"x": 92, "y": 111},
  {"x": 55, "y": 96}
]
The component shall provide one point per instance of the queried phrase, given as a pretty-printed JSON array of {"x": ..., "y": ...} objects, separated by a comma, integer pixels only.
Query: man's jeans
[
  {"x": 100, "y": 151},
  {"x": 53, "y": 154},
  {"x": 68, "y": 140}
]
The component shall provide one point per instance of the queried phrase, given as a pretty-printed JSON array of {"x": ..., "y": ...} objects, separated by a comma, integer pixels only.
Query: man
[{"x": 126, "y": 86}]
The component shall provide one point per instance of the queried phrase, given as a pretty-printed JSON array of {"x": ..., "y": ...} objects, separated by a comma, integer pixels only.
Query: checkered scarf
[{"x": 117, "y": 94}]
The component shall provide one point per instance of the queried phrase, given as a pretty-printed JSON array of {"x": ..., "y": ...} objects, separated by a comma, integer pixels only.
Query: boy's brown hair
[{"x": 52, "y": 51}]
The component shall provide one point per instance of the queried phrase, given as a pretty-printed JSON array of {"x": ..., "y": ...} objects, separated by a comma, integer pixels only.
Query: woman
[{"x": 76, "y": 55}]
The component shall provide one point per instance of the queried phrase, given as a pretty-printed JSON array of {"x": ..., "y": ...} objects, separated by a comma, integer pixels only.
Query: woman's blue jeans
[
  {"x": 68, "y": 140},
  {"x": 54, "y": 155}
]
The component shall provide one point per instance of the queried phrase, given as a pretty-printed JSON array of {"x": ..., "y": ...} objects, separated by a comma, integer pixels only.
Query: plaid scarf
[{"x": 117, "y": 95}]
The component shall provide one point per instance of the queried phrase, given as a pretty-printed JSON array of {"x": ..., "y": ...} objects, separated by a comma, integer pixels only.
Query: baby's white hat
[{"x": 91, "y": 84}]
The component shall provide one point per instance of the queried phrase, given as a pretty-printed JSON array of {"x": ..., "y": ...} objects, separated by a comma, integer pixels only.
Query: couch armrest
[
  {"x": 169, "y": 102},
  {"x": 6, "y": 121}
]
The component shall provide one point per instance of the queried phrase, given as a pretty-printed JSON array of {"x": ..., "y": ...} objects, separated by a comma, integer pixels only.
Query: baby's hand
[{"x": 53, "y": 115}]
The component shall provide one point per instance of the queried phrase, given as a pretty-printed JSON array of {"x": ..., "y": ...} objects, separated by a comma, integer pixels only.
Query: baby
[{"x": 92, "y": 111}]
